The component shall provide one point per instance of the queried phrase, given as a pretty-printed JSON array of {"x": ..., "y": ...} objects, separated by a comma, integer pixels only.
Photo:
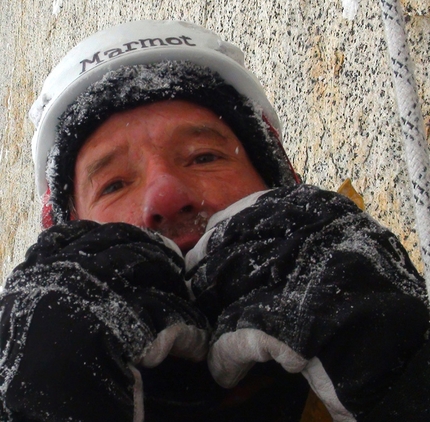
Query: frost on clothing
[
  {"x": 82, "y": 310},
  {"x": 308, "y": 269},
  {"x": 301, "y": 271}
]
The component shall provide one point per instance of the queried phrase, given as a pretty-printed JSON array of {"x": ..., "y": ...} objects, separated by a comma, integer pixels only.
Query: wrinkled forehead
[
  {"x": 163, "y": 124},
  {"x": 185, "y": 118}
]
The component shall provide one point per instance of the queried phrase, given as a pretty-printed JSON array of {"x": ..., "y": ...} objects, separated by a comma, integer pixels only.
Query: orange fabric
[
  {"x": 314, "y": 410},
  {"x": 348, "y": 190}
]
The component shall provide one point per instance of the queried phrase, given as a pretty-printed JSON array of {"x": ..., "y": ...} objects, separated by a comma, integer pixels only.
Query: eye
[
  {"x": 205, "y": 158},
  {"x": 113, "y": 187}
]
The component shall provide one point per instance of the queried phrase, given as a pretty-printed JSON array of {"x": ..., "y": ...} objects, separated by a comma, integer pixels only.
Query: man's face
[{"x": 167, "y": 166}]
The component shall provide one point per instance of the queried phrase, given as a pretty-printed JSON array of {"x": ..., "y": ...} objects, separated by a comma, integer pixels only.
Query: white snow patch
[
  {"x": 56, "y": 7},
  {"x": 350, "y": 8}
]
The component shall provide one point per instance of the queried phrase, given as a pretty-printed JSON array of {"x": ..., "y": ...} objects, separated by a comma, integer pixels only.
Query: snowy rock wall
[{"x": 323, "y": 63}]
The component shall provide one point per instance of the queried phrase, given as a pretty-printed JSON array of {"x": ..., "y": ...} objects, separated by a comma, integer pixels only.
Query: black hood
[{"x": 131, "y": 86}]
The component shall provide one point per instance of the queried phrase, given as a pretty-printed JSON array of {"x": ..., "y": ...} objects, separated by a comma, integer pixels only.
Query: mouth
[
  {"x": 187, "y": 242},
  {"x": 185, "y": 234}
]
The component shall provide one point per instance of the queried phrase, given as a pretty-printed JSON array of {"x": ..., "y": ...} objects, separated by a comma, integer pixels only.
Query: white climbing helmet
[{"x": 140, "y": 42}]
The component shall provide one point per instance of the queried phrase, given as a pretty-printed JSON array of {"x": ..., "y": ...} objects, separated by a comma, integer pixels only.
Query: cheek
[
  {"x": 221, "y": 192},
  {"x": 114, "y": 213}
]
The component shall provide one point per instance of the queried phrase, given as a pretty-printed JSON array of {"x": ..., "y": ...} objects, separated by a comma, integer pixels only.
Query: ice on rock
[
  {"x": 56, "y": 7},
  {"x": 350, "y": 8}
]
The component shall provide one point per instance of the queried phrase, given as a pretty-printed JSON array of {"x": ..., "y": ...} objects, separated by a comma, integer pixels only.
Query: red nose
[{"x": 167, "y": 201}]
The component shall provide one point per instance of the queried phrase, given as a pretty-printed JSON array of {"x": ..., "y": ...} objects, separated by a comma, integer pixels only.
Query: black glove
[
  {"x": 305, "y": 278},
  {"x": 90, "y": 303}
]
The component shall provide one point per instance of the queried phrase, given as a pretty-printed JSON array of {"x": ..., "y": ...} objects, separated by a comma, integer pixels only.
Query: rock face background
[{"x": 328, "y": 76}]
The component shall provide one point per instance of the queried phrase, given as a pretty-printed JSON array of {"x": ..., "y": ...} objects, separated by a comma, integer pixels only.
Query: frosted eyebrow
[{"x": 98, "y": 165}]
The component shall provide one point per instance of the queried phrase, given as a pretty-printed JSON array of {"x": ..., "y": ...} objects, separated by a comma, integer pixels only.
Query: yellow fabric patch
[{"x": 348, "y": 190}]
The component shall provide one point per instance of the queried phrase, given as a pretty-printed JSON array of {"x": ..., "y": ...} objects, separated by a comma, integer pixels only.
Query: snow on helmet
[{"x": 130, "y": 45}]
